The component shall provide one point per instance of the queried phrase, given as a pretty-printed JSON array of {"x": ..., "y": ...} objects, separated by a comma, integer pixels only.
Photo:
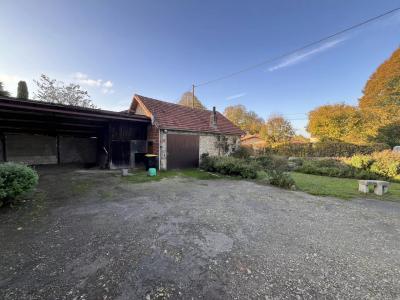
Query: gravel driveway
[{"x": 92, "y": 235}]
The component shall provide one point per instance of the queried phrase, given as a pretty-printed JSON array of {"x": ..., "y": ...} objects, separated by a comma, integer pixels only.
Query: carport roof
[
  {"x": 40, "y": 107},
  {"x": 169, "y": 115}
]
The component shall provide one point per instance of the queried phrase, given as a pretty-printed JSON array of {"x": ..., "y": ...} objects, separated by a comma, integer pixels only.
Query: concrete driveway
[{"x": 91, "y": 235}]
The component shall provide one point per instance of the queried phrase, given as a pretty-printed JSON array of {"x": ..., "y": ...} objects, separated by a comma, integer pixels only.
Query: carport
[{"x": 36, "y": 133}]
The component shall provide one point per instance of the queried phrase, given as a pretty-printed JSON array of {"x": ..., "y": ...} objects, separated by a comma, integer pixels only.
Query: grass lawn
[
  {"x": 339, "y": 187},
  {"x": 141, "y": 176}
]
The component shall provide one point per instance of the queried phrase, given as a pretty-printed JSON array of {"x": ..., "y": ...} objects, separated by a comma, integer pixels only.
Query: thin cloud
[
  {"x": 108, "y": 84},
  {"x": 107, "y": 91},
  {"x": 83, "y": 79},
  {"x": 301, "y": 56},
  {"x": 236, "y": 96}
]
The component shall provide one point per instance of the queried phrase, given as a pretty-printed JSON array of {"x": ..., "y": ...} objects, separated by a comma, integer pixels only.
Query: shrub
[
  {"x": 294, "y": 162},
  {"x": 325, "y": 149},
  {"x": 273, "y": 162},
  {"x": 242, "y": 152},
  {"x": 262, "y": 167},
  {"x": 335, "y": 168},
  {"x": 228, "y": 165},
  {"x": 281, "y": 179},
  {"x": 15, "y": 179},
  {"x": 386, "y": 163},
  {"x": 361, "y": 161}
]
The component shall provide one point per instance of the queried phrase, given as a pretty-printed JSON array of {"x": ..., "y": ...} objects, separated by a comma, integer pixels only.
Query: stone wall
[
  {"x": 163, "y": 150},
  {"x": 217, "y": 145}
]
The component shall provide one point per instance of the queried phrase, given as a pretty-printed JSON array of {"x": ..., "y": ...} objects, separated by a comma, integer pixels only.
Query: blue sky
[{"x": 159, "y": 48}]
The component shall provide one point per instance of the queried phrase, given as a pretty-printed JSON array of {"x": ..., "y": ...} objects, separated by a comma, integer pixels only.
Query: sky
[{"x": 159, "y": 48}]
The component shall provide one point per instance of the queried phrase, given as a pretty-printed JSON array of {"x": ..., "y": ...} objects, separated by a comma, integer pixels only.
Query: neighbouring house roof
[
  {"x": 252, "y": 137},
  {"x": 167, "y": 115},
  {"x": 252, "y": 140}
]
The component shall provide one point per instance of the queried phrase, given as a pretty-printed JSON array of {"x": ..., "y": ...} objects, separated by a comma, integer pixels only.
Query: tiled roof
[{"x": 174, "y": 116}]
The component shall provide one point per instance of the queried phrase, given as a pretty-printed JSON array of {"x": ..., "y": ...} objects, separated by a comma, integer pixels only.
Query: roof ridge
[
  {"x": 170, "y": 115},
  {"x": 176, "y": 104}
]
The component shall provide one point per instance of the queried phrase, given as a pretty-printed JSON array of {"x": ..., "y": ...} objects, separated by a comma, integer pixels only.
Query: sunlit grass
[{"x": 344, "y": 188}]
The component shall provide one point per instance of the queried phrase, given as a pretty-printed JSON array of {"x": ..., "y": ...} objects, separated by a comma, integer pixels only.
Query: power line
[{"x": 298, "y": 49}]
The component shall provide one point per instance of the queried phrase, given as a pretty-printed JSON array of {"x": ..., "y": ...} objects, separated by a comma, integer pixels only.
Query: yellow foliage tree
[
  {"x": 380, "y": 103},
  {"x": 336, "y": 122},
  {"x": 246, "y": 120}
]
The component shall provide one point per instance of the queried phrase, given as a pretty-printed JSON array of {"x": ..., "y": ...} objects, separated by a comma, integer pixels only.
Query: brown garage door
[{"x": 183, "y": 151}]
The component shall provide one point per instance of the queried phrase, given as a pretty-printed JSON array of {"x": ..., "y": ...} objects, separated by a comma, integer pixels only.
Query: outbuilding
[
  {"x": 179, "y": 135},
  {"x": 38, "y": 133}
]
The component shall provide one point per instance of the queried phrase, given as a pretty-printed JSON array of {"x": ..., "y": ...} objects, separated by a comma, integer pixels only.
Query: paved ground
[{"x": 94, "y": 236}]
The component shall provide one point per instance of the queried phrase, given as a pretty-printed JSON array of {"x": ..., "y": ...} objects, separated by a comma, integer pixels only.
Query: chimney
[{"x": 213, "y": 118}]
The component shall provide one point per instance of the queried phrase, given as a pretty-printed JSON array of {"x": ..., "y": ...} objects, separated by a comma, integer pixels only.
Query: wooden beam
[
  {"x": 3, "y": 139},
  {"x": 58, "y": 149}
]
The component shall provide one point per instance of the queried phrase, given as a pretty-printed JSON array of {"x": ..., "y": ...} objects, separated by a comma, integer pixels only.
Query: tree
[
  {"x": 3, "y": 92},
  {"x": 277, "y": 130},
  {"x": 248, "y": 121},
  {"x": 336, "y": 122},
  {"x": 187, "y": 100},
  {"x": 22, "y": 91},
  {"x": 389, "y": 134},
  {"x": 380, "y": 103},
  {"x": 49, "y": 90},
  {"x": 383, "y": 87}
]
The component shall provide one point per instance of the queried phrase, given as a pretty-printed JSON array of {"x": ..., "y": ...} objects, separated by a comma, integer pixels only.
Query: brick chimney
[{"x": 213, "y": 118}]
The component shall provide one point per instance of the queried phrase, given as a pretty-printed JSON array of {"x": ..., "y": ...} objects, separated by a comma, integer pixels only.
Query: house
[
  {"x": 179, "y": 135},
  {"x": 253, "y": 141},
  {"x": 37, "y": 133}
]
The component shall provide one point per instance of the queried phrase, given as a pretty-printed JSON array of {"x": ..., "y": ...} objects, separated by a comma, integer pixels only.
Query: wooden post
[
  {"x": 58, "y": 149},
  {"x": 192, "y": 95},
  {"x": 109, "y": 145},
  {"x": 3, "y": 139}
]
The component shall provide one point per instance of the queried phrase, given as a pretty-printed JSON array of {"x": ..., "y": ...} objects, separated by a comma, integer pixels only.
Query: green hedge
[
  {"x": 228, "y": 165},
  {"x": 324, "y": 149},
  {"x": 271, "y": 166},
  {"x": 15, "y": 179},
  {"x": 359, "y": 167}
]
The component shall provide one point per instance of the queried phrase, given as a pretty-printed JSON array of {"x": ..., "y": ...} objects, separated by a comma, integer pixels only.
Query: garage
[{"x": 182, "y": 151}]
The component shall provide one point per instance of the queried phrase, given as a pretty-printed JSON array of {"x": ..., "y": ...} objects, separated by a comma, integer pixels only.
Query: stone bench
[{"x": 380, "y": 187}]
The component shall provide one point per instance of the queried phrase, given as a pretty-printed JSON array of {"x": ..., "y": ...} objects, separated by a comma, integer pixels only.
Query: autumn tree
[
  {"x": 246, "y": 120},
  {"x": 277, "y": 130},
  {"x": 53, "y": 91},
  {"x": 187, "y": 99},
  {"x": 22, "y": 91},
  {"x": 335, "y": 122},
  {"x": 2, "y": 91},
  {"x": 380, "y": 103}
]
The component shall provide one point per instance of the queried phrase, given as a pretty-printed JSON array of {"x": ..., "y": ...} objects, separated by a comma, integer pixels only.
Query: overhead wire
[{"x": 279, "y": 57}]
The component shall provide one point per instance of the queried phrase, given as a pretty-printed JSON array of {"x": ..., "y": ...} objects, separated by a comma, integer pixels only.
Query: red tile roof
[{"x": 174, "y": 116}]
